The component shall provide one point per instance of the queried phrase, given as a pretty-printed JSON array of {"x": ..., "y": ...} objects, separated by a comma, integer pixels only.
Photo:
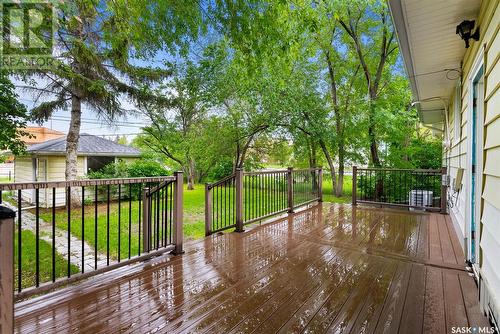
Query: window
[
  {"x": 97, "y": 162},
  {"x": 457, "y": 117}
]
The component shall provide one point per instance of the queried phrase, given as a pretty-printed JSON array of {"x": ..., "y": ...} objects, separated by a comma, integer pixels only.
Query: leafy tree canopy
[{"x": 13, "y": 117}]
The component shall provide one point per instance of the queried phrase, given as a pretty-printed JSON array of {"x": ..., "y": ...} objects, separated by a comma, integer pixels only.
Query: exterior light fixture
[{"x": 465, "y": 28}]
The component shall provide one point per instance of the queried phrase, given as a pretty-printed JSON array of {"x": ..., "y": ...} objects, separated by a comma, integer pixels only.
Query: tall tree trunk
[
  {"x": 312, "y": 153},
  {"x": 241, "y": 153},
  {"x": 331, "y": 166},
  {"x": 339, "y": 190},
  {"x": 73, "y": 139},
  {"x": 190, "y": 175},
  {"x": 371, "y": 134},
  {"x": 379, "y": 185}
]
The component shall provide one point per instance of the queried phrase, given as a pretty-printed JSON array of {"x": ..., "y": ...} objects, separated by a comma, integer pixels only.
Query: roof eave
[
  {"x": 86, "y": 154},
  {"x": 396, "y": 10}
]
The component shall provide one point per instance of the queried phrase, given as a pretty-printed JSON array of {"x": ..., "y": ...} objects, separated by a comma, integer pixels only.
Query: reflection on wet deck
[{"x": 331, "y": 268}]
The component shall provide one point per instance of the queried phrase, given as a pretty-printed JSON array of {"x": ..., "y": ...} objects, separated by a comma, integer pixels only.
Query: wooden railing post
[
  {"x": 320, "y": 185},
  {"x": 146, "y": 219},
  {"x": 444, "y": 190},
  {"x": 6, "y": 270},
  {"x": 208, "y": 210},
  {"x": 178, "y": 213},
  {"x": 239, "y": 200},
  {"x": 289, "y": 178},
  {"x": 354, "y": 184}
]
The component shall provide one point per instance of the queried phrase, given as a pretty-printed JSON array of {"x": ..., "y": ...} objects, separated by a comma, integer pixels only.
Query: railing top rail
[
  {"x": 306, "y": 169},
  {"x": 160, "y": 186},
  {"x": 82, "y": 183},
  {"x": 400, "y": 170},
  {"x": 277, "y": 171},
  {"x": 224, "y": 179}
]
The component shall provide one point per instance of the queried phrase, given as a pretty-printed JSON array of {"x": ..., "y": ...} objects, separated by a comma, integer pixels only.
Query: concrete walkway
[{"x": 28, "y": 222}]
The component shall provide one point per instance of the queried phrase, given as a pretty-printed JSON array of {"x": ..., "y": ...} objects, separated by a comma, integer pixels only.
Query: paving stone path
[{"x": 28, "y": 222}]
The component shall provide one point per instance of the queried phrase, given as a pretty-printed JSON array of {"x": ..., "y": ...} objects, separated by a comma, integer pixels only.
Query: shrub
[
  {"x": 145, "y": 168},
  {"x": 221, "y": 170},
  {"x": 120, "y": 169},
  {"x": 110, "y": 171}
]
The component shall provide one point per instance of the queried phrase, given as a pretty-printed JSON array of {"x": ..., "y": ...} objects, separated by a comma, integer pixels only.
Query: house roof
[
  {"x": 39, "y": 134},
  {"x": 431, "y": 50},
  {"x": 87, "y": 145}
]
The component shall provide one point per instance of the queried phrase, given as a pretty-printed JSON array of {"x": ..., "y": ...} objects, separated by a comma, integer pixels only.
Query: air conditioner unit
[{"x": 420, "y": 198}]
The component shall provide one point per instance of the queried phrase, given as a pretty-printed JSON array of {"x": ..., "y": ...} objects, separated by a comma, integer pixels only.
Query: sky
[
  {"x": 128, "y": 126},
  {"x": 131, "y": 124}
]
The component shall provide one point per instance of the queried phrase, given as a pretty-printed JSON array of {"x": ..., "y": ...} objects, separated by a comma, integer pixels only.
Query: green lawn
[
  {"x": 119, "y": 229},
  {"x": 328, "y": 190},
  {"x": 28, "y": 260},
  {"x": 194, "y": 226},
  {"x": 5, "y": 179}
]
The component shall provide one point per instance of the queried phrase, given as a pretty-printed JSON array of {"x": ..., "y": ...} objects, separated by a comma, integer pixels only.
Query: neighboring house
[
  {"x": 456, "y": 89},
  {"x": 47, "y": 162},
  {"x": 36, "y": 134},
  {"x": 39, "y": 134}
]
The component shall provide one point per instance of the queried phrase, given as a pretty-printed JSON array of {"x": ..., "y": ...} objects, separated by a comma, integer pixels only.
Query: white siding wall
[
  {"x": 490, "y": 233},
  {"x": 489, "y": 21},
  {"x": 23, "y": 170},
  {"x": 56, "y": 172},
  {"x": 456, "y": 158}
]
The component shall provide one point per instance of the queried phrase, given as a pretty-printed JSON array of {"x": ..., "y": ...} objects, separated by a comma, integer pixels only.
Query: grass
[
  {"x": 119, "y": 229},
  {"x": 5, "y": 179},
  {"x": 194, "y": 216},
  {"x": 194, "y": 226},
  {"x": 328, "y": 195},
  {"x": 28, "y": 260}
]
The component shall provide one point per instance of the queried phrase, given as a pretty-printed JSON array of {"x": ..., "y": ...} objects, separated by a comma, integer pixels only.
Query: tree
[
  {"x": 13, "y": 117},
  {"x": 174, "y": 127},
  {"x": 99, "y": 45},
  {"x": 373, "y": 40}
]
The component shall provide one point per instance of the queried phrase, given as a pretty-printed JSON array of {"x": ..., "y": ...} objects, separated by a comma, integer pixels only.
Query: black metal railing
[
  {"x": 306, "y": 187},
  {"x": 265, "y": 194},
  {"x": 246, "y": 197},
  {"x": 220, "y": 204},
  {"x": 409, "y": 188},
  {"x": 69, "y": 230}
]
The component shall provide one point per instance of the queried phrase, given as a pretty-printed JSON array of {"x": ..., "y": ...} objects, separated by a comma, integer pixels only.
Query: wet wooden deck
[{"x": 330, "y": 268}]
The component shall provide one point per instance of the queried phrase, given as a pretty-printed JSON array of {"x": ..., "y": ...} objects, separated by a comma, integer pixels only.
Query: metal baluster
[
  {"x": 53, "y": 234},
  {"x": 19, "y": 241},
  {"x": 129, "y": 219},
  {"x": 107, "y": 223},
  {"x": 157, "y": 234},
  {"x": 95, "y": 226},
  {"x": 139, "y": 197},
  {"x": 83, "y": 229},
  {"x": 119, "y": 221},
  {"x": 171, "y": 211},
  {"x": 225, "y": 203},
  {"x": 68, "y": 206},
  {"x": 213, "y": 209},
  {"x": 37, "y": 235}
]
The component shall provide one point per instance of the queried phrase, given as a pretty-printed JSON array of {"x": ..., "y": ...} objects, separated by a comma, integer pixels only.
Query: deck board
[{"x": 329, "y": 268}]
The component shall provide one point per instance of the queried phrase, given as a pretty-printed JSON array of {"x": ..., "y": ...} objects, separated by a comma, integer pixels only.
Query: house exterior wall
[
  {"x": 23, "y": 172},
  {"x": 53, "y": 169},
  {"x": 56, "y": 172},
  {"x": 487, "y": 51}
]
